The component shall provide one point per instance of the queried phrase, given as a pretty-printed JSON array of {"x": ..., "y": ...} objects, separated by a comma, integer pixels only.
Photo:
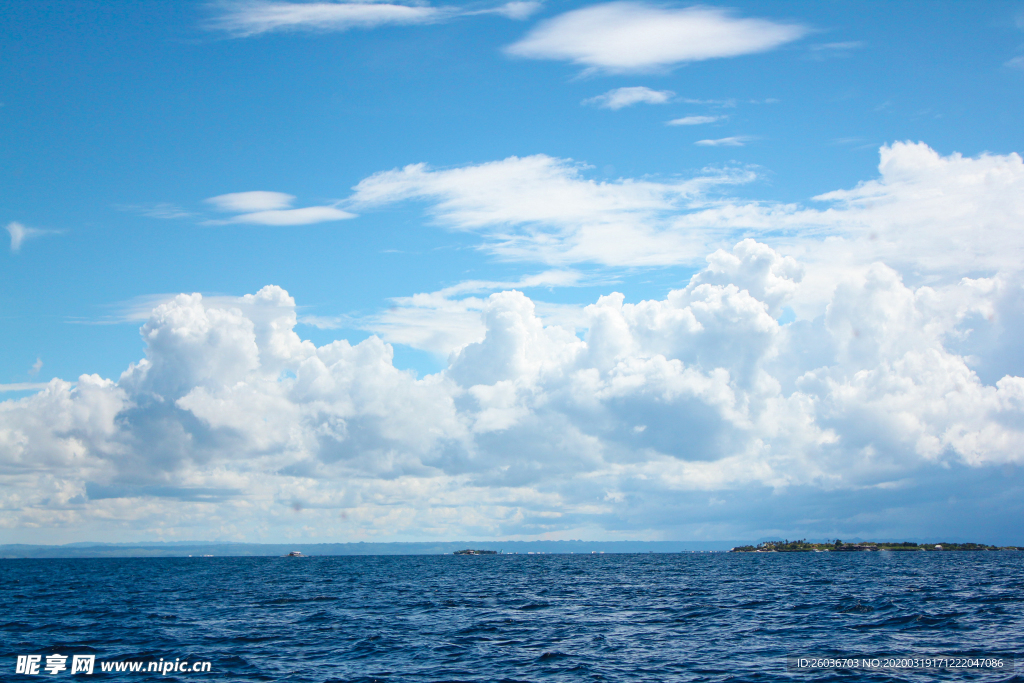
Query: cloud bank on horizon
[{"x": 865, "y": 354}]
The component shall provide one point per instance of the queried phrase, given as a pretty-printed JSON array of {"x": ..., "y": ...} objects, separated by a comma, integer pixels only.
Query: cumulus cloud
[
  {"x": 627, "y": 97},
  {"x": 895, "y": 382},
  {"x": 631, "y": 36},
  {"x": 445, "y": 321},
  {"x": 272, "y": 208},
  {"x": 929, "y": 213},
  {"x": 233, "y": 421},
  {"x": 244, "y": 19}
]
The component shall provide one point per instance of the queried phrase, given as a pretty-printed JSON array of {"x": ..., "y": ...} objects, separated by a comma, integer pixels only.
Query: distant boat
[
  {"x": 294, "y": 553},
  {"x": 469, "y": 551}
]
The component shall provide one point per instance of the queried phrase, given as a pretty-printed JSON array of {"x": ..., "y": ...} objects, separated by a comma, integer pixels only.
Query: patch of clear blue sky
[{"x": 108, "y": 105}]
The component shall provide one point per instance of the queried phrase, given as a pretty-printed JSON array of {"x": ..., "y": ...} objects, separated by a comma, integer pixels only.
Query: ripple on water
[{"x": 707, "y": 617}]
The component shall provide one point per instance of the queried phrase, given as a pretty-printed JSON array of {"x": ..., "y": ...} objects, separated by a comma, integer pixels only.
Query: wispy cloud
[
  {"x": 257, "y": 207},
  {"x": 826, "y": 47},
  {"x": 543, "y": 208},
  {"x": 634, "y": 36},
  {"x": 305, "y": 216},
  {"x": 447, "y": 320},
  {"x": 626, "y": 97},
  {"x": 23, "y": 386},
  {"x": 734, "y": 141},
  {"x": 1016, "y": 63},
  {"x": 327, "y": 322},
  {"x": 518, "y": 10},
  {"x": 251, "y": 201},
  {"x": 693, "y": 120},
  {"x": 161, "y": 210},
  {"x": 250, "y": 18},
  {"x": 729, "y": 103},
  {"x": 245, "y": 18},
  {"x": 36, "y": 367},
  {"x": 19, "y": 233},
  {"x": 138, "y": 309},
  {"x": 272, "y": 208},
  {"x": 840, "y": 49},
  {"x": 546, "y": 210}
]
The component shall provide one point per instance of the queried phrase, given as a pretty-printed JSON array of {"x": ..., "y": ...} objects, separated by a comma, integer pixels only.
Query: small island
[
  {"x": 803, "y": 546},
  {"x": 469, "y": 551}
]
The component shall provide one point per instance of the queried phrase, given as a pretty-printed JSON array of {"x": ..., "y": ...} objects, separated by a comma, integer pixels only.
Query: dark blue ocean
[{"x": 643, "y": 617}]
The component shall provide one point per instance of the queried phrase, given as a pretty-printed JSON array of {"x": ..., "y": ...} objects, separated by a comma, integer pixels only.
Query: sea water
[{"x": 641, "y": 617}]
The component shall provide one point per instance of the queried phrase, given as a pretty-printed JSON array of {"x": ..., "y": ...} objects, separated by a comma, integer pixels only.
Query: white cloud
[
  {"x": 845, "y": 45},
  {"x": 243, "y": 19},
  {"x": 23, "y": 386},
  {"x": 898, "y": 384},
  {"x": 630, "y": 36},
  {"x": 518, "y": 9},
  {"x": 304, "y": 216},
  {"x": 543, "y": 209},
  {"x": 735, "y": 141},
  {"x": 272, "y": 208},
  {"x": 36, "y": 367},
  {"x": 931, "y": 213},
  {"x": 626, "y": 97},
  {"x": 445, "y": 321},
  {"x": 161, "y": 210},
  {"x": 694, "y": 120},
  {"x": 232, "y": 419},
  {"x": 727, "y": 104},
  {"x": 244, "y": 202},
  {"x": 19, "y": 233},
  {"x": 1016, "y": 63},
  {"x": 834, "y": 50},
  {"x": 936, "y": 216}
]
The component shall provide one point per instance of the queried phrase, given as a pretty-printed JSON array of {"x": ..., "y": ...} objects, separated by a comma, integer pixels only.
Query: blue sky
[{"x": 796, "y": 190}]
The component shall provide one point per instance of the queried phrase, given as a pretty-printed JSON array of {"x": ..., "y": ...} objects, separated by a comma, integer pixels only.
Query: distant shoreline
[
  {"x": 865, "y": 546},
  {"x": 200, "y": 549},
  {"x": 215, "y": 549}
]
